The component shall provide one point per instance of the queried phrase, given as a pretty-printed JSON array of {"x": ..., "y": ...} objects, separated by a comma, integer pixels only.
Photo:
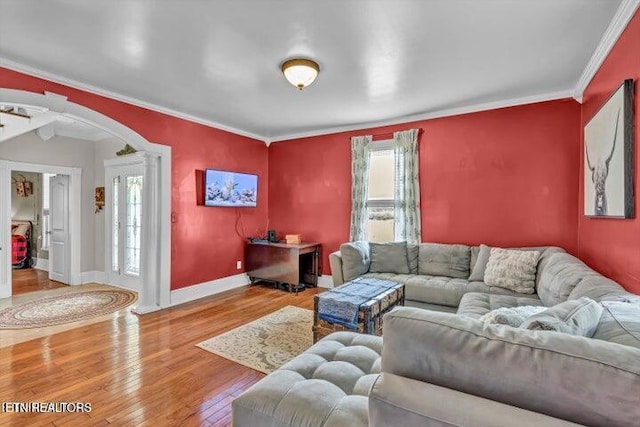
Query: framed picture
[
  {"x": 99, "y": 198},
  {"x": 608, "y": 157}
]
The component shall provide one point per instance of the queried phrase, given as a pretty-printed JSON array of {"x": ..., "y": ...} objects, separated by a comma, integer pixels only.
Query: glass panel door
[
  {"x": 133, "y": 225},
  {"x": 124, "y": 198}
]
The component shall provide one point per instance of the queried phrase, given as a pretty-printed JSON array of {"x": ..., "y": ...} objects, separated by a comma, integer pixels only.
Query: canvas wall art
[{"x": 608, "y": 157}]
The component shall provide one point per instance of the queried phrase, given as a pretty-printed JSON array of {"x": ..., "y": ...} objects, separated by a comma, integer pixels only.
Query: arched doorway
[{"x": 155, "y": 268}]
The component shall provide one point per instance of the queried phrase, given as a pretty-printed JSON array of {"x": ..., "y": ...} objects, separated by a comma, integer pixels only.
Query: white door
[
  {"x": 59, "y": 262},
  {"x": 124, "y": 224}
]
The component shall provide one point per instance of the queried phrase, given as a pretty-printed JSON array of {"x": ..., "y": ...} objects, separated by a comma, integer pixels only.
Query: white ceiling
[{"x": 218, "y": 61}]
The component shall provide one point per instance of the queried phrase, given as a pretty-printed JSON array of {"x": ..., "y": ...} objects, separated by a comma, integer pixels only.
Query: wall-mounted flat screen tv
[{"x": 230, "y": 189}]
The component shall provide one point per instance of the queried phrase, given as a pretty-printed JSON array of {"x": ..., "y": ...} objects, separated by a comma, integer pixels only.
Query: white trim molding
[
  {"x": 31, "y": 71},
  {"x": 93, "y": 276},
  {"x": 75, "y": 213},
  {"x": 202, "y": 290},
  {"x": 213, "y": 287},
  {"x": 618, "y": 24},
  {"x": 5, "y": 231},
  {"x": 494, "y": 105},
  {"x": 268, "y": 140}
]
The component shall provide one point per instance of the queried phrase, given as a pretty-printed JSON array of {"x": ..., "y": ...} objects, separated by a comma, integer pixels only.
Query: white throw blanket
[{"x": 511, "y": 316}]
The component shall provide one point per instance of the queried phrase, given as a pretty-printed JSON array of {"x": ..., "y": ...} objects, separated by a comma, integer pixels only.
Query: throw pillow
[
  {"x": 389, "y": 258},
  {"x": 512, "y": 269},
  {"x": 355, "y": 259},
  {"x": 477, "y": 273},
  {"x": 511, "y": 316},
  {"x": 436, "y": 259},
  {"x": 576, "y": 317}
]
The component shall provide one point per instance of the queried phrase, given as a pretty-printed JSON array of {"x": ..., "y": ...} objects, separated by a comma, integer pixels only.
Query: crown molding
[
  {"x": 25, "y": 69},
  {"x": 551, "y": 96},
  {"x": 269, "y": 140},
  {"x": 620, "y": 20}
]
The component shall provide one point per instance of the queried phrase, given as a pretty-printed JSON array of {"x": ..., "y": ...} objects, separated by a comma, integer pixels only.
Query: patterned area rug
[
  {"x": 268, "y": 342},
  {"x": 66, "y": 308}
]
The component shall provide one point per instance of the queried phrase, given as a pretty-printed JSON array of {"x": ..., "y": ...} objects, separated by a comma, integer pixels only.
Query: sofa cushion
[
  {"x": 598, "y": 288},
  {"x": 355, "y": 259},
  {"x": 561, "y": 275},
  {"x": 477, "y": 304},
  {"x": 389, "y": 258},
  {"x": 620, "y": 323},
  {"x": 576, "y": 317},
  {"x": 327, "y": 385},
  {"x": 400, "y": 401},
  {"x": 480, "y": 265},
  {"x": 412, "y": 255},
  {"x": 512, "y": 269},
  {"x": 583, "y": 380},
  {"x": 440, "y": 290},
  {"x": 437, "y": 259}
]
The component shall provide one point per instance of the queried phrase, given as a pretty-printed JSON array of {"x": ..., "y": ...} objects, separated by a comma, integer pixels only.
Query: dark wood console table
[{"x": 280, "y": 263}]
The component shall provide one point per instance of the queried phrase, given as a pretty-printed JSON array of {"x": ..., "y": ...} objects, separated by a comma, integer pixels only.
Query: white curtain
[
  {"x": 360, "y": 160},
  {"x": 407, "y": 188}
]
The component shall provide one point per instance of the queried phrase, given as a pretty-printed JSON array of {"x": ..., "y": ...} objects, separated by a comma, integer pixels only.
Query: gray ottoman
[{"x": 327, "y": 385}]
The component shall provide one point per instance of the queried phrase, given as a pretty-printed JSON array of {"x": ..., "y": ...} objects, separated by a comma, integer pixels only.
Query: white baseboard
[
  {"x": 41, "y": 264},
  {"x": 92, "y": 277},
  {"x": 190, "y": 293},
  {"x": 325, "y": 281}
]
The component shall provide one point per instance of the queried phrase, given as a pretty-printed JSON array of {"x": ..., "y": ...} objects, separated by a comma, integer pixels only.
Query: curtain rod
[{"x": 389, "y": 135}]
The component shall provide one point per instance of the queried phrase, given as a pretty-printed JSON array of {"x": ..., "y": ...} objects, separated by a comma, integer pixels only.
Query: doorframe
[
  {"x": 75, "y": 179},
  {"x": 155, "y": 292}
]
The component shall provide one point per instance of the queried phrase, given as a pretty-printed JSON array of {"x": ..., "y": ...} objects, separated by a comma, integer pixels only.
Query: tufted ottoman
[{"x": 327, "y": 385}]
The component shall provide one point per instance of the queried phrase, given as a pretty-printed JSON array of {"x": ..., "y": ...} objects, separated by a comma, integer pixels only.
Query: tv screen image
[{"x": 234, "y": 189}]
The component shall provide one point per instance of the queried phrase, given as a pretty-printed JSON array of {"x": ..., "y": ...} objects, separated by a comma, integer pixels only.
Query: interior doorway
[
  {"x": 40, "y": 241},
  {"x": 62, "y": 259},
  {"x": 155, "y": 263}
]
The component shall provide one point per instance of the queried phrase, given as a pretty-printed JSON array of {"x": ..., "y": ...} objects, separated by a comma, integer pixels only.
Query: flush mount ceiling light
[{"x": 300, "y": 72}]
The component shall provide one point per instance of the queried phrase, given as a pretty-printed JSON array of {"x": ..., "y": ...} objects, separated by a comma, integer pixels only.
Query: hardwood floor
[
  {"x": 32, "y": 279},
  {"x": 140, "y": 370}
]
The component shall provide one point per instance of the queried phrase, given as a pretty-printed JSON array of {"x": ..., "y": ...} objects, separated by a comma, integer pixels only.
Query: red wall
[
  {"x": 204, "y": 245},
  {"x": 612, "y": 246},
  {"x": 504, "y": 177}
]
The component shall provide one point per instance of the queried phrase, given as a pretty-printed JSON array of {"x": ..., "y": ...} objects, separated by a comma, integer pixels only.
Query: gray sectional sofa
[
  {"x": 444, "y": 366},
  {"x": 442, "y": 292}
]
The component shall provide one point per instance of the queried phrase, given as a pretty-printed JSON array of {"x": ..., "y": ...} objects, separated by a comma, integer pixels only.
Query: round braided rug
[{"x": 51, "y": 311}]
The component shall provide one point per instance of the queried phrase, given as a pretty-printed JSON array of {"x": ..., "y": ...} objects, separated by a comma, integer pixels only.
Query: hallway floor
[{"x": 32, "y": 279}]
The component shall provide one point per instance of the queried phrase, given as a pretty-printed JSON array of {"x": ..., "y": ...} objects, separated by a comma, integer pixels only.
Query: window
[
  {"x": 380, "y": 198},
  {"x": 133, "y": 224},
  {"x": 385, "y": 188},
  {"x": 115, "y": 225}
]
